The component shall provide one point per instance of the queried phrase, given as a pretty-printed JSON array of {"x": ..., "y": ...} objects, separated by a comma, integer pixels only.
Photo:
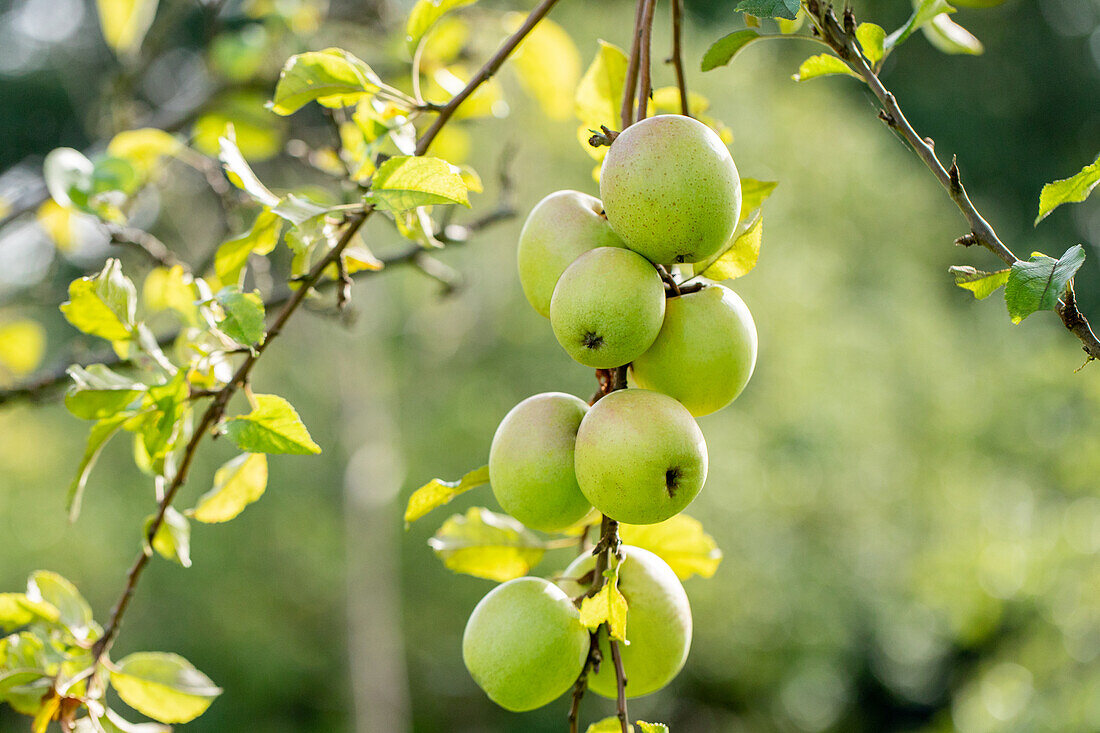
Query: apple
[
  {"x": 670, "y": 189},
  {"x": 560, "y": 228},
  {"x": 658, "y": 623},
  {"x": 640, "y": 456},
  {"x": 607, "y": 307},
  {"x": 524, "y": 644},
  {"x": 705, "y": 353},
  {"x": 531, "y": 462}
]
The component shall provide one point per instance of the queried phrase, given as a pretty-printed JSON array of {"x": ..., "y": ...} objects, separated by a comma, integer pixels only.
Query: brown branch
[
  {"x": 142, "y": 241},
  {"x": 620, "y": 684},
  {"x": 630, "y": 83},
  {"x": 645, "y": 86},
  {"x": 484, "y": 74},
  {"x": 677, "y": 59},
  {"x": 842, "y": 41}
]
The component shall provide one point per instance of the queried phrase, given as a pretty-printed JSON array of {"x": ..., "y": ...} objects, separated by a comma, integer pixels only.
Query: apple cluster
[{"x": 671, "y": 195}]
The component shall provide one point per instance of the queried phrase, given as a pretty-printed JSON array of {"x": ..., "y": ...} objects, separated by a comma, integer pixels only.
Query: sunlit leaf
[
  {"x": 171, "y": 288},
  {"x": 599, "y": 95},
  {"x": 332, "y": 77},
  {"x": 1072, "y": 190},
  {"x": 950, "y": 37},
  {"x": 871, "y": 39},
  {"x": 244, "y": 316},
  {"x": 769, "y": 8},
  {"x": 608, "y": 725},
  {"x": 59, "y": 223},
  {"x": 261, "y": 238},
  {"x": 240, "y": 173},
  {"x": 680, "y": 541},
  {"x": 981, "y": 284},
  {"x": 548, "y": 65},
  {"x": 104, "y": 304},
  {"x": 424, "y": 15},
  {"x": 101, "y": 432},
  {"x": 298, "y": 209},
  {"x": 273, "y": 427},
  {"x": 22, "y": 346},
  {"x": 97, "y": 392},
  {"x": 438, "y": 492},
  {"x": 258, "y": 133},
  {"x": 722, "y": 51},
  {"x": 172, "y": 540},
  {"x": 68, "y": 175},
  {"x": 486, "y": 545},
  {"x": 125, "y": 23},
  {"x": 405, "y": 182},
  {"x": 144, "y": 148},
  {"x": 237, "y": 484},
  {"x": 741, "y": 256},
  {"x": 1038, "y": 284},
  {"x": 607, "y": 606},
  {"x": 165, "y": 687},
  {"x": 645, "y": 727},
  {"x": 822, "y": 65},
  {"x": 74, "y": 613},
  {"x": 923, "y": 13}
]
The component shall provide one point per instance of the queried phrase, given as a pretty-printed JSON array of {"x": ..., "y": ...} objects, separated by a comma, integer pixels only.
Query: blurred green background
[{"x": 906, "y": 494}]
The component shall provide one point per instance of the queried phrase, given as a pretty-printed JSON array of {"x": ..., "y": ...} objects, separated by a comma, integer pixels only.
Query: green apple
[
  {"x": 524, "y": 644},
  {"x": 560, "y": 228},
  {"x": 607, "y": 307},
  {"x": 640, "y": 457},
  {"x": 531, "y": 462},
  {"x": 670, "y": 189},
  {"x": 658, "y": 623},
  {"x": 705, "y": 353}
]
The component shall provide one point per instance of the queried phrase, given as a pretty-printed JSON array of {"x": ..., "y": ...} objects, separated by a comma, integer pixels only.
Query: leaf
[
  {"x": 298, "y": 209},
  {"x": 261, "y": 238},
  {"x": 599, "y": 95},
  {"x": 607, "y": 606},
  {"x": 680, "y": 542},
  {"x": 1072, "y": 190},
  {"x": 981, "y": 284},
  {"x": 144, "y": 148},
  {"x": 872, "y": 39},
  {"x": 173, "y": 538},
  {"x": 59, "y": 223},
  {"x": 608, "y": 725},
  {"x": 74, "y": 613},
  {"x": 125, "y": 23},
  {"x": 171, "y": 288},
  {"x": 103, "y": 305},
  {"x": 951, "y": 38},
  {"x": 753, "y": 195},
  {"x": 424, "y": 15},
  {"x": 332, "y": 77},
  {"x": 822, "y": 65},
  {"x": 22, "y": 346},
  {"x": 652, "y": 727},
  {"x": 486, "y": 545},
  {"x": 237, "y": 484},
  {"x": 68, "y": 175},
  {"x": 722, "y": 51},
  {"x": 98, "y": 393},
  {"x": 405, "y": 182},
  {"x": 273, "y": 427},
  {"x": 101, "y": 432},
  {"x": 258, "y": 133},
  {"x": 164, "y": 687},
  {"x": 548, "y": 65},
  {"x": 16, "y": 611},
  {"x": 438, "y": 492},
  {"x": 923, "y": 13},
  {"x": 244, "y": 316},
  {"x": 1037, "y": 285},
  {"x": 741, "y": 256},
  {"x": 769, "y": 8},
  {"x": 241, "y": 175}
]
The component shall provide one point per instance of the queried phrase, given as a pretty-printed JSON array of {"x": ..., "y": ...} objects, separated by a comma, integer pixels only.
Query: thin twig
[
  {"x": 630, "y": 83},
  {"x": 484, "y": 74},
  {"x": 620, "y": 684},
  {"x": 677, "y": 58},
  {"x": 142, "y": 241},
  {"x": 645, "y": 86}
]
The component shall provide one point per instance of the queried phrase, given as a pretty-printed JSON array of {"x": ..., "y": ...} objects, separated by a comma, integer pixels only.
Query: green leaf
[
  {"x": 261, "y": 238},
  {"x": 438, "y": 492},
  {"x": 173, "y": 538},
  {"x": 298, "y": 209},
  {"x": 125, "y": 23},
  {"x": 241, "y": 174},
  {"x": 164, "y": 687},
  {"x": 822, "y": 65},
  {"x": 1037, "y": 285},
  {"x": 680, "y": 541},
  {"x": 608, "y": 725},
  {"x": 97, "y": 392},
  {"x": 607, "y": 606},
  {"x": 982, "y": 284},
  {"x": 486, "y": 545},
  {"x": 951, "y": 38},
  {"x": 74, "y": 613},
  {"x": 424, "y": 15},
  {"x": 1072, "y": 190},
  {"x": 769, "y": 8},
  {"x": 68, "y": 175},
  {"x": 237, "y": 484},
  {"x": 244, "y": 316},
  {"x": 273, "y": 427},
  {"x": 101, "y": 432},
  {"x": 872, "y": 39},
  {"x": 405, "y": 182},
  {"x": 17, "y": 610},
  {"x": 171, "y": 289},
  {"x": 332, "y": 77},
  {"x": 652, "y": 727},
  {"x": 923, "y": 13},
  {"x": 722, "y": 51},
  {"x": 103, "y": 305}
]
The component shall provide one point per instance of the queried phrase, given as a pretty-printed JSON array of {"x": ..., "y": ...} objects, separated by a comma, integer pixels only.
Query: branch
[
  {"x": 844, "y": 43},
  {"x": 631, "y": 82},
  {"x": 142, "y": 241},
  {"x": 677, "y": 59},
  {"x": 484, "y": 74},
  {"x": 645, "y": 87}
]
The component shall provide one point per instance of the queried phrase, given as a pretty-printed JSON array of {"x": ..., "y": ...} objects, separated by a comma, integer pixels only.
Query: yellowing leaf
[
  {"x": 165, "y": 687},
  {"x": 548, "y": 65},
  {"x": 871, "y": 38},
  {"x": 599, "y": 95},
  {"x": 240, "y": 173},
  {"x": 144, "y": 148},
  {"x": 742, "y": 255},
  {"x": 258, "y": 133},
  {"x": 57, "y": 221},
  {"x": 74, "y": 613},
  {"x": 273, "y": 427},
  {"x": 680, "y": 542},
  {"x": 171, "y": 288},
  {"x": 103, "y": 305},
  {"x": 237, "y": 484},
  {"x": 666, "y": 100},
  {"x": 607, "y": 606},
  {"x": 438, "y": 492},
  {"x": 487, "y": 545},
  {"x": 653, "y": 727},
  {"x": 332, "y": 77},
  {"x": 125, "y": 23},
  {"x": 22, "y": 345},
  {"x": 981, "y": 284},
  {"x": 406, "y": 182},
  {"x": 608, "y": 725},
  {"x": 822, "y": 65},
  {"x": 753, "y": 195},
  {"x": 424, "y": 15}
]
